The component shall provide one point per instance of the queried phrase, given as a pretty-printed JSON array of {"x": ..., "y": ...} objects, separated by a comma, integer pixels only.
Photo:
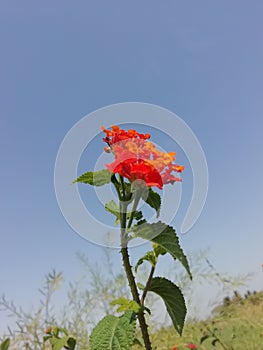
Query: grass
[{"x": 235, "y": 325}]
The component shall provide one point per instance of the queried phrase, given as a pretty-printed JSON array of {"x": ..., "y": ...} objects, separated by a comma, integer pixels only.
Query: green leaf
[
  {"x": 114, "y": 333},
  {"x": 173, "y": 299},
  {"x": 158, "y": 250},
  {"x": 153, "y": 199},
  {"x": 150, "y": 257},
  {"x": 140, "y": 286},
  {"x": 71, "y": 343},
  {"x": 96, "y": 178},
  {"x": 165, "y": 236},
  {"x": 5, "y": 344},
  {"x": 58, "y": 344},
  {"x": 113, "y": 208},
  {"x": 45, "y": 338},
  {"x": 126, "y": 305}
]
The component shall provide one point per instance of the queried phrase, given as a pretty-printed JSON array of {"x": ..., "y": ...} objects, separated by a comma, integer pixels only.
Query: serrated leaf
[
  {"x": 150, "y": 257},
  {"x": 173, "y": 299},
  {"x": 165, "y": 236},
  {"x": 5, "y": 344},
  {"x": 153, "y": 199},
  {"x": 114, "y": 333},
  {"x": 96, "y": 178}
]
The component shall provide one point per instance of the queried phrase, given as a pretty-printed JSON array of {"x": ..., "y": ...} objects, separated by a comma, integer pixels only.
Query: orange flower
[
  {"x": 137, "y": 158},
  {"x": 116, "y": 135}
]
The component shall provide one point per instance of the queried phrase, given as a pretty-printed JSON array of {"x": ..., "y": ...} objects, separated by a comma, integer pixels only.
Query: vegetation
[
  {"x": 236, "y": 324},
  {"x": 84, "y": 307}
]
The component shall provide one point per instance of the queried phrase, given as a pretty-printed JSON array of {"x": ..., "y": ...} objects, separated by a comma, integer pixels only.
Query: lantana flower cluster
[{"x": 136, "y": 158}]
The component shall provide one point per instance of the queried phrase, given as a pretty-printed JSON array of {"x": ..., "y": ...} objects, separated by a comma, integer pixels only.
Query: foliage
[
  {"x": 5, "y": 344},
  {"x": 114, "y": 333},
  {"x": 139, "y": 167},
  {"x": 235, "y": 326},
  {"x": 82, "y": 309},
  {"x": 59, "y": 339},
  {"x": 144, "y": 166}
]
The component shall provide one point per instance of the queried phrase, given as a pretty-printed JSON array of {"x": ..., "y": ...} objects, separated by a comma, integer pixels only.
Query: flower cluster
[
  {"x": 136, "y": 158},
  {"x": 116, "y": 135}
]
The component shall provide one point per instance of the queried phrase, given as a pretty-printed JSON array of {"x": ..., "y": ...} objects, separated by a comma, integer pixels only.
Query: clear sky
[{"x": 61, "y": 60}]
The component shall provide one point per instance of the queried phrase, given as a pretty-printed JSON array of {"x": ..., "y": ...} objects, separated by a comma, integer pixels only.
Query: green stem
[
  {"x": 135, "y": 295},
  {"x": 122, "y": 186},
  {"x": 147, "y": 286},
  {"x": 137, "y": 197},
  {"x": 116, "y": 185},
  {"x": 128, "y": 268},
  {"x": 216, "y": 337}
]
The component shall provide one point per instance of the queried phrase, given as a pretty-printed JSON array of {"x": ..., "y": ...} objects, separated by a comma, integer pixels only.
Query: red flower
[
  {"x": 136, "y": 158},
  {"x": 137, "y": 169},
  {"x": 174, "y": 347},
  {"x": 192, "y": 346}
]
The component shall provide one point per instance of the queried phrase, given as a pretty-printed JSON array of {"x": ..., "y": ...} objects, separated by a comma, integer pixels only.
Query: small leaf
[
  {"x": 71, "y": 343},
  {"x": 114, "y": 333},
  {"x": 58, "y": 344},
  {"x": 173, "y": 299},
  {"x": 126, "y": 305},
  {"x": 149, "y": 256},
  {"x": 113, "y": 208},
  {"x": 165, "y": 236},
  {"x": 137, "y": 215},
  {"x": 154, "y": 200},
  {"x": 96, "y": 178},
  {"x": 5, "y": 344},
  {"x": 45, "y": 338},
  {"x": 140, "y": 286},
  {"x": 158, "y": 250},
  {"x": 118, "y": 301}
]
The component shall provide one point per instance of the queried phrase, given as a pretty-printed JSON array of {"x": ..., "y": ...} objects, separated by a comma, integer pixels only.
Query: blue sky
[{"x": 60, "y": 61}]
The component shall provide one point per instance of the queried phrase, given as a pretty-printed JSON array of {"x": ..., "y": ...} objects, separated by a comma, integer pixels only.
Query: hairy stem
[
  {"x": 135, "y": 295},
  {"x": 128, "y": 268},
  {"x": 147, "y": 286}
]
